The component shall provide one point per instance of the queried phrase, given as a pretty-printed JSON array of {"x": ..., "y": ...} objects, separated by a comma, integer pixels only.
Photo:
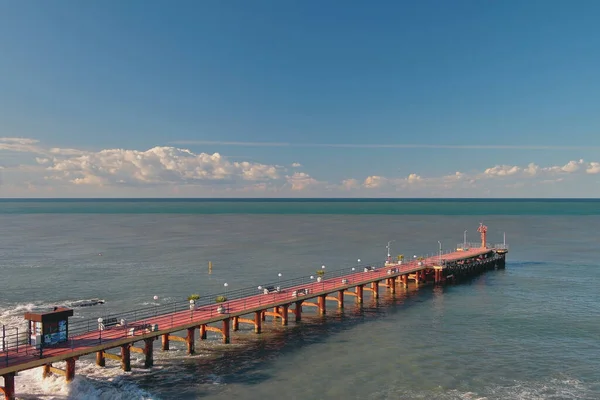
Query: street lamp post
[
  {"x": 279, "y": 284},
  {"x": 192, "y": 306},
  {"x": 155, "y": 306},
  {"x": 388, "y": 250},
  {"x": 440, "y": 243},
  {"x": 465, "y": 240}
]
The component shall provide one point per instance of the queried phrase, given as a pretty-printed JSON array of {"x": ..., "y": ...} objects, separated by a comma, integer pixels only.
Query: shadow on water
[{"x": 247, "y": 359}]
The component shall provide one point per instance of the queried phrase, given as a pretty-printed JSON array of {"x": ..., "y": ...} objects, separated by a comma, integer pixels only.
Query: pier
[{"x": 136, "y": 331}]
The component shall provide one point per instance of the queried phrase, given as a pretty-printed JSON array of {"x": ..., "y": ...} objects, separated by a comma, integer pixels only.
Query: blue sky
[{"x": 136, "y": 97}]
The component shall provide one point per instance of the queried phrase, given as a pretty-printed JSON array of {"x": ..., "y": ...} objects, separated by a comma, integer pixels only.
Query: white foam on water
[
  {"x": 553, "y": 389},
  {"x": 90, "y": 383},
  {"x": 12, "y": 314}
]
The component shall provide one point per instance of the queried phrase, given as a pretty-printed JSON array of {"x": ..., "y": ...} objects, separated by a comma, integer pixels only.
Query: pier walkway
[{"x": 248, "y": 306}]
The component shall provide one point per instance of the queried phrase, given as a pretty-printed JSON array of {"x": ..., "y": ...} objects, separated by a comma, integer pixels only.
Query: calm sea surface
[{"x": 531, "y": 331}]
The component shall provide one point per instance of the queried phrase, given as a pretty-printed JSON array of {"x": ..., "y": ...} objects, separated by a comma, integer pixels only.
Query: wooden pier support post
[
  {"x": 9, "y": 386},
  {"x": 203, "y": 332},
  {"x": 322, "y": 304},
  {"x": 375, "y": 287},
  {"x": 236, "y": 324},
  {"x": 189, "y": 340},
  {"x": 126, "y": 357},
  {"x": 359, "y": 294},
  {"x": 284, "y": 314},
  {"x": 100, "y": 360},
  {"x": 226, "y": 330},
  {"x": 149, "y": 352},
  {"x": 298, "y": 310},
  {"x": 165, "y": 342},
  {"x": 258, "y": 318},
  {"x": 405, "y": 280},
  {"x": 264, "y": 315},
  {"x": 70, "y": 369},
  {"x": 341, "y": 299},
  {"x": 392, "y": 284}
]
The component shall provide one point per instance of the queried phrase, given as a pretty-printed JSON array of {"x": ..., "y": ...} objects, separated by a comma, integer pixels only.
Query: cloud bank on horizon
[{"x": 30, "y": 169}]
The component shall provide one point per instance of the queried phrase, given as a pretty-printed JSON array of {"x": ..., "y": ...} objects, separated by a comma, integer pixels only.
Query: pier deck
[{"x": 199, "y": 317}]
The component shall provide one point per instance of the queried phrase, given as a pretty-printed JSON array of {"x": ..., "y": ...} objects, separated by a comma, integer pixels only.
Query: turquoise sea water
[
  {"x": 308, "y": 206},
  {"x": 528, "y": 332}
]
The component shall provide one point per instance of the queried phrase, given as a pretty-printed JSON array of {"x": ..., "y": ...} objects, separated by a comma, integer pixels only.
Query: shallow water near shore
[{"x": 528, "y": 332}]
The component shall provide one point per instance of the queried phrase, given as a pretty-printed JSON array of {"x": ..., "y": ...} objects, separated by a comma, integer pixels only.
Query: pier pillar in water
[
  {"x": 226, "y": 330},
  {"x": 100, "y": 360},
  {"x": 190, "y": 340},
  {"x": 9, "y": 386},
  {"x": 359, "y": 294},
  {"x": 284, "y": 314},
  {"x": 165, "y": 342},
  {"x": 321, "y": 303},
  {"x": 257, "y": 321},
  {"x": 375, "y": 287},
  {"x": 236, "y": 324},
  {"x": 70, "y": 369},
  {"x": 298, "y": 311},
  {"x": 203, "y": 332},
  {"x": 341, "y": 299},
  {"x": 149, "y": 352},
  {"x": 263, "y": 315},
  {"x": 392, "y": 284},
  {"x": 126, "y": 357},
  {"x": 405, "y": 280}
]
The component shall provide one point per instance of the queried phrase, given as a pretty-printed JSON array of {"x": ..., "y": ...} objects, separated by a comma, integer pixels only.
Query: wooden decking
[{"x": 26, "y": 357}]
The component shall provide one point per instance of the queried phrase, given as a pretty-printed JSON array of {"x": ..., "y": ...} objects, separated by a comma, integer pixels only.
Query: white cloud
[
  {"x": 413, "y": 178},
  {"x": 158, "y": 165},
  {"x": 513, "y": 176},
  {"x": 374, "y": 181},
  {"x": 19, "y": 144},
  {"x": 301, "y": 181},
  {"x": 165, "y": 171},
  {"x": 502, "y": 170},
  {"x": 593, "y": 168},
  {"x": 350, "y": 184}
]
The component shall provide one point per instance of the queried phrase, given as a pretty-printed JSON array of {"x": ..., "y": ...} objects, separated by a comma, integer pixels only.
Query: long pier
[{"x": 247, "y": 306}]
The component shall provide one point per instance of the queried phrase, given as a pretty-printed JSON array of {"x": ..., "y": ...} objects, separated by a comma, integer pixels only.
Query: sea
[{"x": 530, "y": 331}]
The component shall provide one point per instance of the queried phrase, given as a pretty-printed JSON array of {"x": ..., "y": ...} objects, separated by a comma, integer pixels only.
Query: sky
[{"x": 309, "y": 98}]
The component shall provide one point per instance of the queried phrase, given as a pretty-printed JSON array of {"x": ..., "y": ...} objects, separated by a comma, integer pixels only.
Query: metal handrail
[{"x": 14, "y": 339}]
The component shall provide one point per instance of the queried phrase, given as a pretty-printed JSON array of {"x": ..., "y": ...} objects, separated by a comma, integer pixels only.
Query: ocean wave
[
  {"x": 553, "y": 389},
  {"x": 90, "y": 383}
]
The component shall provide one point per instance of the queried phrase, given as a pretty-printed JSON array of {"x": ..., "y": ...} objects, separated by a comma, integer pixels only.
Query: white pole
[
  {"x": 465, "y": 240},
  {"x": 388, "y": 248}
]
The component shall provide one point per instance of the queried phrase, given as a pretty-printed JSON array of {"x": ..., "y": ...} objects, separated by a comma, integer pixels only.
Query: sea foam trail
[
  {"x": 553, "y": 389},
  {"x": 90, "y": 383}
]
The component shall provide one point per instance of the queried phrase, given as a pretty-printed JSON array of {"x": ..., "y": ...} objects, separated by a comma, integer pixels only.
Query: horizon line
[{"x": 2, "y": 199}]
